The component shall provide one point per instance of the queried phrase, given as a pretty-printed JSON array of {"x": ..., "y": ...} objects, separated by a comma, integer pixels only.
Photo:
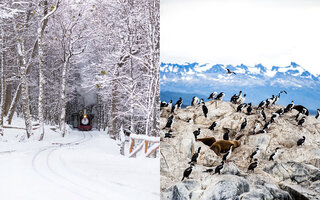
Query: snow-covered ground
[{"x": 83, "y": 165}]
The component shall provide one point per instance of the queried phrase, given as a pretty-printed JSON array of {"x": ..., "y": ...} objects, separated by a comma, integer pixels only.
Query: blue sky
[{"x": 271, "y": 32}]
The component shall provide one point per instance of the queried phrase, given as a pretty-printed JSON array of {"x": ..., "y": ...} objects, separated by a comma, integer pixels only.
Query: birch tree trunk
[
  {"x": 105, "y": 117},
  {"x": 41, "y": 90},
  {"x": 26, "y": 101},
  {"x": 41, "y": 74},
  {"x": 114, "y": 115},
  {"x": 156, "y": 111},
  {"x": 14, "y": 103},
  {"x": 7, "y": 98},
  {"x": 132, "y": 100},
  {"x": 2, "y": 83},
  {"x": 122, "y": 141},
  {"x": 63, "y": 125},
  {"x": 99, "y": 111},
  {"x": 25, "y": 90}
]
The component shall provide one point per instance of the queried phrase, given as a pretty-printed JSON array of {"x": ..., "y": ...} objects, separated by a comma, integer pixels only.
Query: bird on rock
[
  {"x": 187, "y": 172},
  {"x": 301, "y": 141},
  {"x": 253, "y": 165}
]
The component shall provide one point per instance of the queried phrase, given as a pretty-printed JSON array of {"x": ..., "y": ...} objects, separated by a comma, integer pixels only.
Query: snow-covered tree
[{"x": 72, "y": 51}]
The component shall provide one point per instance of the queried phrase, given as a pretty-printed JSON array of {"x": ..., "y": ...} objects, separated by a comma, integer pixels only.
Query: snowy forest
[
  {"x": 58, "y": 57},
  {"x": 80, "y": 99}
]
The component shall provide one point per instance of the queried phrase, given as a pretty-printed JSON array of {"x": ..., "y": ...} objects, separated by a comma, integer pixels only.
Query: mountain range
[{"x": 257, "y": 82}]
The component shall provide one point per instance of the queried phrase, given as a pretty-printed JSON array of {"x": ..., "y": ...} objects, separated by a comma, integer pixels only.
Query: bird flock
[{"x": 248, "y": 109}]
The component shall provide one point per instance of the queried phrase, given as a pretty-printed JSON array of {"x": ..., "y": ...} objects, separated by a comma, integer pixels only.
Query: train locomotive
[{"x": 82, "y": 121}]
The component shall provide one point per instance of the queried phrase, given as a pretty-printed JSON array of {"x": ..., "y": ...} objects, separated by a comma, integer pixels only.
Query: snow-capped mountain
[{"x": 259, "y": 82}]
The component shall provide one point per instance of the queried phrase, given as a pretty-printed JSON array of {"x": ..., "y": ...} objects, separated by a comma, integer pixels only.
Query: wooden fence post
[
  {"x": 146, "y": 146},
  {"x": 132, "y": 143}
]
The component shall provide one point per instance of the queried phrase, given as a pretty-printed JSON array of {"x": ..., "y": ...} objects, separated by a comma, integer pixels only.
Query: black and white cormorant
[
  {"x": 274, "y": 155},
  {"x": 187, "y": 172},
  {"x": 280, "y": 111},
  {"x": 204, "y": 109},
  {"x": 195, "y": 156},
  {"x": 244, "y": 124},
  {"x": 263, "y": 114},
  {"x": 276, "y": 99},
  {"x": 235, "y": 97},
  {"x": 179, "y": 103},
  {"x": 220, "y": 96},
  {"x": 169, "y": 134},
  {"x": 302, "y": 121},
  {"x": 169, "y": 106},
  {"x": 242, "y": 99},
  {"x": 228, "y": 154},
  {"x": 195, "y": 101},
  {"x": 219, "y": 168},
  {"x": 254, "y": 154},
  {"x": 241, "y": 107},
  {"x": 256, "y": 127},
  {"x": 170, "y": 121},
  {"x": 289, "y": 107},
  {"x": 274, "y": 117},
  {"x": 270, "y": 101},
  {"x": 253, "y": 165},
  {"x": 196, "y": 133},
  {"x": 301, "y": 141},
  {"x": 163, "y": 104},
  {"x": 267, "y": 125},
  {"x": 212, "y": 95},
  {"x": 213, "y": 125},
  {"x": 249, "y": 109},
  {"x": 261, "y": 104},
  {"x": 226, "y": 135}
]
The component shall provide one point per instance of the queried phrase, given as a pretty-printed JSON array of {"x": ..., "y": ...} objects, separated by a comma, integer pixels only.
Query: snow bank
[{"x": 83, "y": 165}]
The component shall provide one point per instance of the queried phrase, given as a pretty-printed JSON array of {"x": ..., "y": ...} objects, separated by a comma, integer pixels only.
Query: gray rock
[
  {"x": 188, "y": 189},
  {"x": 230, "y": 168},
  {"x": 257, "y": 193},
  {"x": 186, "y": 145},
  {"x": 195, "y": 195},
  {"x": 297, "y": 172},
  {"x": 180, "y": 192},
  {"x": 166, "y": 194},
  {"x": 294, "y": 191},
  {"x": 276, "y": 192},
  {"x": 225, "y": 187},
  {"x": 191, "y": 184}
]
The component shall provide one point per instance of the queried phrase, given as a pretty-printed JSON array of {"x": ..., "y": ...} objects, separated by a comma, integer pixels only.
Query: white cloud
[{"x": 270, "y": 32}]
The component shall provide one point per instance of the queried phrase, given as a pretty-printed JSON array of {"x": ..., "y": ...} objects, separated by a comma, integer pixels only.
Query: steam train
[{"x": 82, "y": 121}]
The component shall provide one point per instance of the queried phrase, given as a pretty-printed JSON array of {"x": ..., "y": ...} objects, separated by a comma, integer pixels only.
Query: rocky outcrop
[{"x": 294, "y": 174}]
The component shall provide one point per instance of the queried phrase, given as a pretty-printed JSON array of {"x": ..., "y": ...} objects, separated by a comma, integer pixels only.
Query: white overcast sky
[{"x": 270, "y": 32}]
